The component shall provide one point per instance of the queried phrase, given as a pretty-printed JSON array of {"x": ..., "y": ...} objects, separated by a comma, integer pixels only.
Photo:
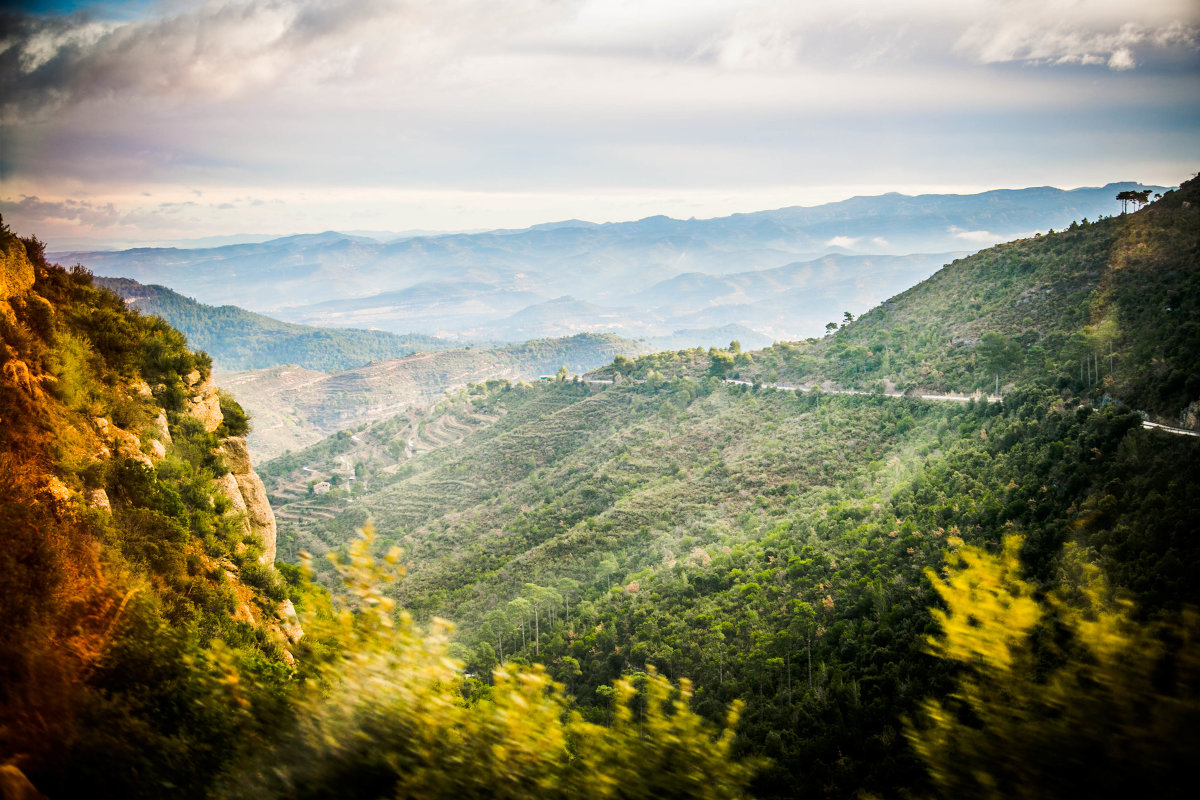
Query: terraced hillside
[
  {"x": 617, "y": 458},
  {"x": 357, "y": 462},
  {"x": 294, "y": 407}
]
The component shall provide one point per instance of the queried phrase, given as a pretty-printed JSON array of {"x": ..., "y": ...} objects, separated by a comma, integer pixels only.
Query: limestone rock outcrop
[
  {"x": 241, "y": 484},
  {"x": 236, "y": 454},
  {"x": 248, "y": 500},
  {"x": 203, "y": 403},
  {"x": 97, "y": 498},
  {"x": 248, "y": 495},
  {"x": 289, "y": 622}
]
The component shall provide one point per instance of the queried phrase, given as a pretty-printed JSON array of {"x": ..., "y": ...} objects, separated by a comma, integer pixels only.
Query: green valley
[
  {"x": 151, "y": 645},
  {"x": 599, "y": 400},
  {"x": 702, "y": 573}
]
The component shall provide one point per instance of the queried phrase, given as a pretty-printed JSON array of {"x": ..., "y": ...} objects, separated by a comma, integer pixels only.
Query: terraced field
[
  {"x": 357, "y": 462},
  {"x": 293, "y": 408}
]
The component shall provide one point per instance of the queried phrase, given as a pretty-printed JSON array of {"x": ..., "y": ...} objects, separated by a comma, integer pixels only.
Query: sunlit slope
[
  {"x": 1107, "y": 308},
  {"x": 772, "y": 546},
  {"x": 725, "y": 535},
  {"x": 546, "y": 482},
  {"x": 136, "y": 549}
]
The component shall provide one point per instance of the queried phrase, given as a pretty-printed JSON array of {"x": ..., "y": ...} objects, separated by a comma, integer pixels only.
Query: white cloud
[
  {"x": 1121, "y": 59},
  {"x": 842, "y": 241},
  {"x": 975, "y": 237},
  {"x": 1058, "y": 32},
  {"x": 220, "y": 50}
]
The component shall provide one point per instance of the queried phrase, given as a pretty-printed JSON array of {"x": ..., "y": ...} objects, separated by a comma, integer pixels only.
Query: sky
[{"x": 158, "y": 122}]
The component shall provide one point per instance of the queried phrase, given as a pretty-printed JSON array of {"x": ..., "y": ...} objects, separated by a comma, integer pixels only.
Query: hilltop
[{"x": 1099, "y": 309}]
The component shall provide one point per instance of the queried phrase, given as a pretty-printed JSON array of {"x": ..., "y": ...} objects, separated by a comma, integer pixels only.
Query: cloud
[
  {"x": 1121, "y": 59},
  {"x": 756, "y": 47},
  {"x": 1058, "y": 32},
  {"x": 645, "y": 100},
  {"x": 975, "y": 237},
  {"x": 221, "y": 50},
  {"x": 37, "y": 210},
  {"x": 842, "y": 241}
]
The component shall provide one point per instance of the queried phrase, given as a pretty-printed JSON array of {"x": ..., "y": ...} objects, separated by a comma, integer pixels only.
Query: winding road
[
  {"x": 950, "y": 398},
  {"x": 953, "y": 398}
]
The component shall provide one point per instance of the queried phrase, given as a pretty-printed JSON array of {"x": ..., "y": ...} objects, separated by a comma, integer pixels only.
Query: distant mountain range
[
  {"x": 782, "y": 273},
  {"x": 238, "y": 339}
]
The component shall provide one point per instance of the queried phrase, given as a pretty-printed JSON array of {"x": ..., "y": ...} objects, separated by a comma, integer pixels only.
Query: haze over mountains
[
  {"x": 783, "y": 273},
  {"x": 294, "y": 407}
]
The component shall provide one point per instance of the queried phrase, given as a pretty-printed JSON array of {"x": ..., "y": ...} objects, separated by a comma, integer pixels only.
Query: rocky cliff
[
  {"x": 136, "y": 542},
  {"x": 247, "y": 496},
  {"x": 16, "y": 270},
  {"x": 241, "y": 485}
]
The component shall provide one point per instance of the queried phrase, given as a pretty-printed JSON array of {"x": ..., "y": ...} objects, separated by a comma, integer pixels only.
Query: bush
[
  {"x": 234, "y": 419},
  {"x": 266, "y": 579}
]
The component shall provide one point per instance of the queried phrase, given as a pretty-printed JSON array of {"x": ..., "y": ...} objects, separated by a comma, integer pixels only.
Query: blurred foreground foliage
[
  {"x": 388, "y": 713},
  {"x": 1060, "y": 694}
]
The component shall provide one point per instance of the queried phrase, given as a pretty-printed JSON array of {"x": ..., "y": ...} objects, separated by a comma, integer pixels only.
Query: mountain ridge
[
  {"x": 238, "y": 339},
  {"x": 601, "y": 263}
]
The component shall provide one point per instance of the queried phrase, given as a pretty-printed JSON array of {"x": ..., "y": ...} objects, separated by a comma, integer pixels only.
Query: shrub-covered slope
[
  {"x": 1104, "y": 308},
  {"x": 150, "y": 648}
]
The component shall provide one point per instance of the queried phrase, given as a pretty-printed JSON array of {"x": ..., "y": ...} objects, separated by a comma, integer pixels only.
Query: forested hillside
[
  {"x": 237, "y": 339},
  {"x": 666, "y": 585},
  {"x": 1104, "y": 309},
  {"x": 976, "y": 598}
]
